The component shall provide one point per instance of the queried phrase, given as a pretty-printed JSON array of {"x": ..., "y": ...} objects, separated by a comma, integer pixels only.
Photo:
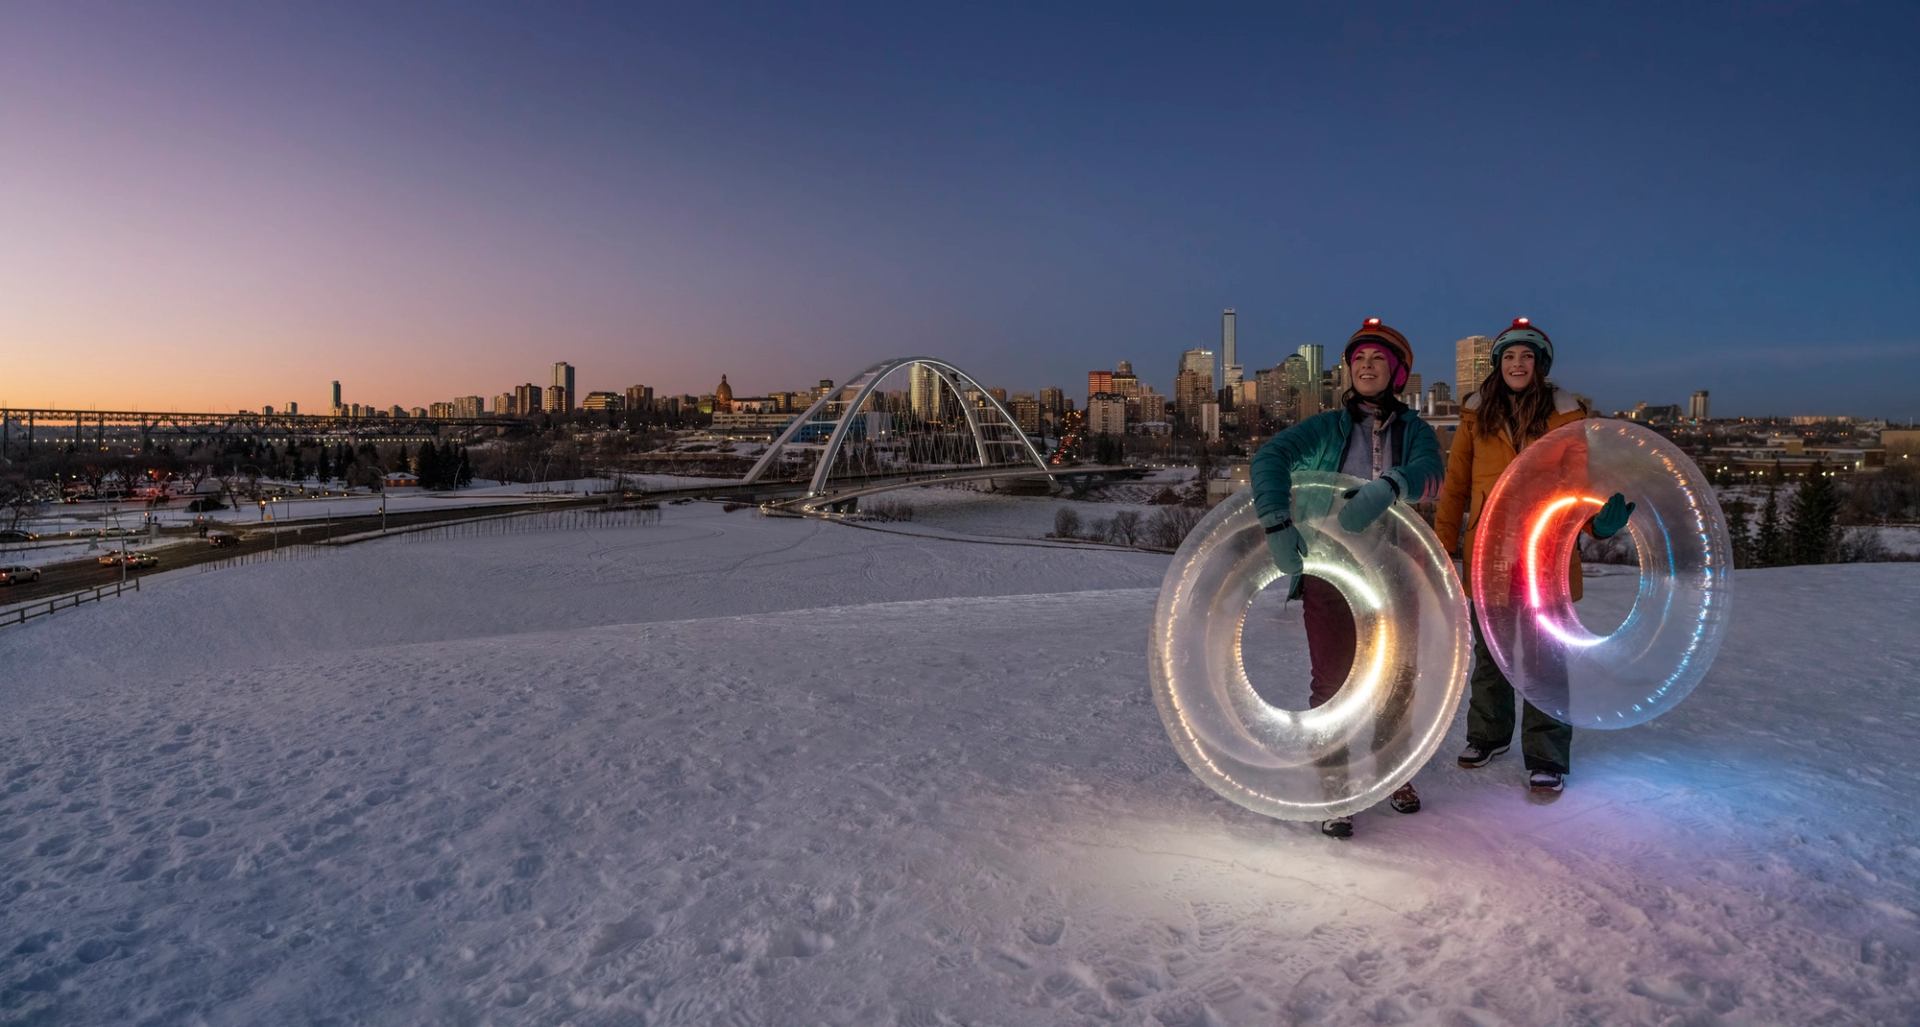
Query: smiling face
[
  {"x": 1516, "y": 367},
  {"x": 1371, "y": 371}
]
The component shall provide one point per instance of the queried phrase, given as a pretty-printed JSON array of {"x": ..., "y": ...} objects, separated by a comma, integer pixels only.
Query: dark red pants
[{"x": 1330, "y": 637}]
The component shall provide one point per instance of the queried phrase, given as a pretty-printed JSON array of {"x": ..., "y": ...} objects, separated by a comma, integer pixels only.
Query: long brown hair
[{"x": 1519, "y": 415}]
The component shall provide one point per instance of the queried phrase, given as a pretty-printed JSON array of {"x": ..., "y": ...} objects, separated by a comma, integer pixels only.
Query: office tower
[
  {"x": 1316, "y": 357},
  {"x": 601, "y": 402},
  {"x": 1411, "y": 392},
  {"x": 556, "y": 400},
  {"x": 1297, "y": 378},
  {"x": 468, "y": 406},
  {"x": 639, "y": 397},
  {"x": 1053, "y": 401},
  {"x": 1198, "y": 360},
  {"x": 1697, "y": 406},
  {"x": 1472, "y": 359},
  {"x": 1098, "y": 382},
  {"x": 1227, "y": 349},
  {"x": 923, "y": 391},
  {"x": 335, "y": 409},
  {"x": 293, "y": 408},
  {"x": 1026, "y": 412},
  {"x": 1190, "y": 389},
  {"x": 526, "y": 400},
  {"x": 1231, "y": 373},
  {"x": 562, "y": 380}
]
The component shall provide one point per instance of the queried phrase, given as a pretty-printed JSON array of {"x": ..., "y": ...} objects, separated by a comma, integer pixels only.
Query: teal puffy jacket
[{"x": 1319, "y": 443}]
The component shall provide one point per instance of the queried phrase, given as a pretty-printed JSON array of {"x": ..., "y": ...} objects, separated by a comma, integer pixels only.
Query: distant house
[{"x": 400, "y": 480}]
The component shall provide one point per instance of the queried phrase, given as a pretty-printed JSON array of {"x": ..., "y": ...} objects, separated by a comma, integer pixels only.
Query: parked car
[
  {"x": 14, "y": 575},
  {"x": 218, "y": 539}
]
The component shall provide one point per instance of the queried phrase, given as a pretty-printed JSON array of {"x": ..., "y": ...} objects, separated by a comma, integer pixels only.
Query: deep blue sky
[{"x": 439, "y": 200}]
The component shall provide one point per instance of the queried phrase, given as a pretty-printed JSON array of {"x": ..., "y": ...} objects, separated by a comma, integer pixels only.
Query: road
[{"x": 190, "y": 549}]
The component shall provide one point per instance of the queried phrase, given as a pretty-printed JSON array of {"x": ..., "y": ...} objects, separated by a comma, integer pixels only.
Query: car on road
[
  {"x": 14, "y": 575},
  {"x": 112, "y": 559},
  {"x": 142, "y": 560},
  {"x": 18, "y": 536},
  {"x": 217, "y": 539}
]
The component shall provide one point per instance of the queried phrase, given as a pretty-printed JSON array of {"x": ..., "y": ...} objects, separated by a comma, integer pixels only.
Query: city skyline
[{"x": 221, "y": 209}]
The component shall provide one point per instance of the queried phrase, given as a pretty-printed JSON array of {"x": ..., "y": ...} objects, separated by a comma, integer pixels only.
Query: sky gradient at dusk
[{"x": 217, "y": 206}]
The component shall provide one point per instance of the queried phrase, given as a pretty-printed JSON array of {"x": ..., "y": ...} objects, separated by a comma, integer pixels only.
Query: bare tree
[
  {"x": 17, "y": 501},
  {"x": 1124, "y": 527},
  {"x": 1171, "y": 525},
  {"x": 1066, "y": 522}
]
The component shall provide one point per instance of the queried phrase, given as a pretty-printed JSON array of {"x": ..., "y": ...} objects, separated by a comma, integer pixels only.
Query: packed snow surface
[{"x": 738, "y": 770}]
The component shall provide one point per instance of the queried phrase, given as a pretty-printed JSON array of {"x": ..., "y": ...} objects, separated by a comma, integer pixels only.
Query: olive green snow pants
[{"x": 1546, "y": 743}]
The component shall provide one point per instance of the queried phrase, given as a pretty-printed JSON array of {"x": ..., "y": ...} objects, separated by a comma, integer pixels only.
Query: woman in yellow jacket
[{"x": 1514, "y": 406}]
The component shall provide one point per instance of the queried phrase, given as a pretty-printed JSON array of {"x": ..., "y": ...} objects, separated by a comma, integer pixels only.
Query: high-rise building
[
  {"x": 1316, "y": 357},
  {"x": 1697, "y": 406},
  {"x": 1472, "y": 360},
  {"x": 334, "y": 409},
  {"x": 1026, "y": 412},
  {"x": 1099, "y": 382},
  {"x": 1440, "y": 401},
  {"x": 563, "y": 377},
  {"x": 527, "y": 400},
  {"x": 1209, "y": 421},
  {"x": 1227, "y": 340},
  {"x": 1153, "y": 406},
  {"x": 1296, "y": 374},
  {"x": 468, "y": 406},
  {"x": 293, "y": 407},
  {"x": 1231, "y": 373},
  {"x": 1199, "y": 360},
  {"x": 1411, "y": 392},
  {"x": 1053, "y": 402},
  {"x": 639, "y": 397},
  {"x": 603, "y": 401},
  {"x": 555, "y": 400},
  {"x": 1193, "y": 382},
  {"x": 503, "y": 405},
  {"x": 1106, "y": 414},
  {"x": 923, "y": 391}
]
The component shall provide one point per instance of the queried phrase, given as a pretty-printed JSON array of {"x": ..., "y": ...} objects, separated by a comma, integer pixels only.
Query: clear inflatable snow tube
[
  {"x": 1410, "y": 663},
  {"x": 1522, "y": 548}
]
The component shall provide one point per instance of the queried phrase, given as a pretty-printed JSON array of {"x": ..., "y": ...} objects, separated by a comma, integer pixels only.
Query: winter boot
[
  {"x": 1337, "y": 827},
  {"x": 1405, "y": 799},
  {"x": 1476, "y": 755},
  {"x": 1545, "y": 784}
]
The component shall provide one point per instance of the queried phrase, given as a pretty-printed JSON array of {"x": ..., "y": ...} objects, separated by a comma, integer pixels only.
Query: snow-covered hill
[{"x": 735, "y": 770}]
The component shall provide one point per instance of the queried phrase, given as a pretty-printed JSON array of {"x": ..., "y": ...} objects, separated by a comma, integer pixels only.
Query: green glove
[
  {"x": 1288, "y": 548},
  {"x": 1612, "y": 517},
  {"x": 1366, "y": 503}
]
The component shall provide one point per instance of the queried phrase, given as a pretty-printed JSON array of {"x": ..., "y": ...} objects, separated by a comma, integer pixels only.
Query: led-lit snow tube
[
  {"x": 1523, "y": 543},
  {"x": 1410, "y": 664}
]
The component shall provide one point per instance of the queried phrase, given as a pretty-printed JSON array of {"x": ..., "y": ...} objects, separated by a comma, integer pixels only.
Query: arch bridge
[{"x": 936, "y": 423}]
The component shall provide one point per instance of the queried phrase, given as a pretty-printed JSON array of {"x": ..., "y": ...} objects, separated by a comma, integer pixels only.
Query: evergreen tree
[
  {"x": 326, "y": 465},
  {"x": 464, "y": 475},
  {"x": 1739, "y": 532},
  {"x": 423, "y": 463},
  {"x": 1770, "y": 546},
  {"x": 1813, "y": 521}
]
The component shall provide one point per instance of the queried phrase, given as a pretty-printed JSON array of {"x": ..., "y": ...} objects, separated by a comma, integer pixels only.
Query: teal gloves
[
  {"x": 1366, "y": 503},
  {"x": 1288, "y": 548},
  {"x": 1612, "y": 517}
]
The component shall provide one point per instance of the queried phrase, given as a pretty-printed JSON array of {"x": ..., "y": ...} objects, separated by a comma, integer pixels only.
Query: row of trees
[{"x": 1166, "y": 528}]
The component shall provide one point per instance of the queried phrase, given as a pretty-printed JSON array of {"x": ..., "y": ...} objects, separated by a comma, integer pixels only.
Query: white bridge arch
[{"x": 996, "y": 440}]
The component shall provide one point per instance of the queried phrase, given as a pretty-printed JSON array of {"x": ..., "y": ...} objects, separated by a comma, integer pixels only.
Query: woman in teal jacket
[{"x": 1373, "y": 436}]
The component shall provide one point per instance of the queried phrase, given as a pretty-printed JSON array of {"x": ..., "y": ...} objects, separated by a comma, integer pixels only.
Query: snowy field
[{"x": 740, "y": 770}]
